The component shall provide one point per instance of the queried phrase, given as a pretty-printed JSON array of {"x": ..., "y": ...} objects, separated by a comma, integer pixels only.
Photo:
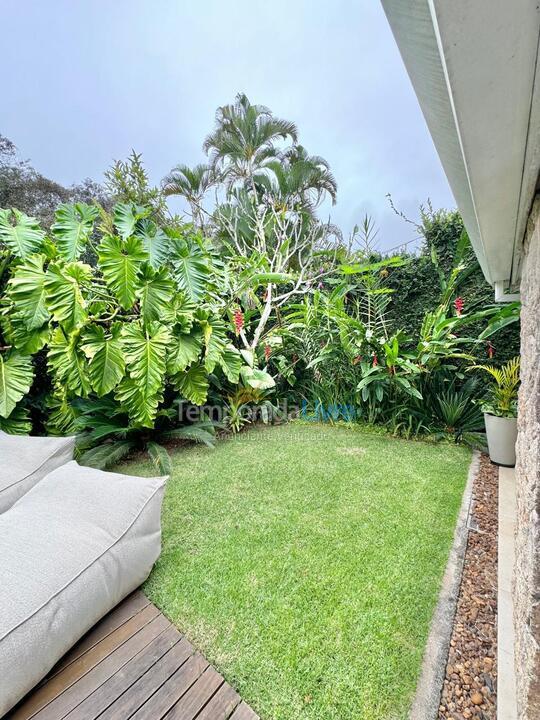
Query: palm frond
[
  {"x": 106, "y": 455},
  {"x": 160, "y": 457},
  {"x": 195, "y": 433}
]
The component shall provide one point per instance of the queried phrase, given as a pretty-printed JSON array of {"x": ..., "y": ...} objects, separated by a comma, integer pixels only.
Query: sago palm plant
[{"x": 106, "y": 435}]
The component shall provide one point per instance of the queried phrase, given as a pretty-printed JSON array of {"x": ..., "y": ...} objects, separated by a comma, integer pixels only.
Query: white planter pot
[{"x": 501, "y": 437}]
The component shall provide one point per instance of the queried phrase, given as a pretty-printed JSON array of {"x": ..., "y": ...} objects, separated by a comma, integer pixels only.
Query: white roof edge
[
  {"x": 416, "y": 25},
  {"x": 428, "y": 76},
  {"x": 531, "y": 175}
]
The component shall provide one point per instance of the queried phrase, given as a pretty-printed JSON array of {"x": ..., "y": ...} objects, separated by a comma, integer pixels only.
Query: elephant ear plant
[
  {"x": 113, "y": 311},
  {"x": 500, "y": 411}
]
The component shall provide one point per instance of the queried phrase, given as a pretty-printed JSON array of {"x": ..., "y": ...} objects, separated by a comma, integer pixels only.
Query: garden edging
[{"x": 428, "y": 691}]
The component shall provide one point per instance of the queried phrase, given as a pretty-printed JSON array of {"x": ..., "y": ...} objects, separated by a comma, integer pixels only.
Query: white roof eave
[{"x": 473, "y": 67}]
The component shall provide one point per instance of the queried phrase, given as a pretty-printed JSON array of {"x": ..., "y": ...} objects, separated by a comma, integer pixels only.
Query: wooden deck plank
[
  {"x": 197, "y": 696},
  {"x": 67, "y": 677},
  {"x": 133, "y": 604},
  {"x": 77, "y": 692},
  {"x": 171, "y": 691},
  {"x": 140, "y": 692},
  {"x": 133, "y": 665},
  {"x": 221, "y": 705},
  {"x": 244, "y": 712},
  {"x": 116, "y": 685}
]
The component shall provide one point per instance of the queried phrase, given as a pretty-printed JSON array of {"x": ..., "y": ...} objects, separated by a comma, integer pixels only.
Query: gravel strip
[{"x": 470, "y": 686}]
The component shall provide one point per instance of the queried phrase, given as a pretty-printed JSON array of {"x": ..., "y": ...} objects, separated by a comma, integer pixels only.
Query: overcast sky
[{"x": 85, "y": 81}]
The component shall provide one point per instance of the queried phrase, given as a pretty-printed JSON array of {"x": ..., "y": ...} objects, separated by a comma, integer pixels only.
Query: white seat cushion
[
  {"x": 70, "y": 550},
  {"x": 25, "y": 460}
]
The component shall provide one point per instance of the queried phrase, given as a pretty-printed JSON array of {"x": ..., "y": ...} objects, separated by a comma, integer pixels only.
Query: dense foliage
[
  {"x": 117, "y": 317},
  {"x": 142, "y": 319},
  {"x": 343, "y": 352},
  {"x": 416, "y": 285}
]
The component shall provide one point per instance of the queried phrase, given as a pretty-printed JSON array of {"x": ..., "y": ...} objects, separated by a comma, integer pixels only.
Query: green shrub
[{"x": 138, "y": 327}]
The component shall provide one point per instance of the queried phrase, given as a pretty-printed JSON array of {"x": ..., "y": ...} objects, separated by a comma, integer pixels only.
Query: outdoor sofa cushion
[
  {"x": 70, "y": 550},
  {"x": 25, "y": 460}
]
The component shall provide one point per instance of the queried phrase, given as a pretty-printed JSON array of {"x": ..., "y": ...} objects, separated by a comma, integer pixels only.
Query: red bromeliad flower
[
  {"x": 375, "y": 361},
  {"x": 267, "y": 352},
  {"x": 490, "y": 350},
  {"x": 238, "y": 316},
  {"x": 459, "y": 305}
]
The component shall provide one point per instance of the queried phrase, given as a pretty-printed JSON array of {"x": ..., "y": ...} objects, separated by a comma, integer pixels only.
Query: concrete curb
[{"x": 427, "y": 697}]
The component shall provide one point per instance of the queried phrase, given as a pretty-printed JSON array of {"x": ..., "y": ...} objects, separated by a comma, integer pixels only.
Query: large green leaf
[
  {"x": 193, "y": 384},
  {"x": 145, "y": 352},
  {"x": 64, "y": 284},
  {"x": 120, "y": 263},
  {"x": 258, "y": 379},
  {"x": 156, "y": 243},
  {"x": 68, "y": 363},
  {"x": 26, "y": 341},
  {"x": 184, "y": 312},
  {"x": 27, "y": 292},
  {"x": 73, "y": 227},
  {"x": 155, "y": 294},
  {"x": 215, "y": 341},
  {"x": 24, "y": 237},
  {"x": 104, "y": 350},
  {"x": 190, "y": 269},
  {"x": 61, "y": 419},
  {"x": 16, "y": 375},
  {"x": 140, "y": 405},
  {"x": 18, "y": 423},
  {"x": 231, "y": 363},
  {"x": 185, "y": 350},
  {"x": 126, "y": 216}
]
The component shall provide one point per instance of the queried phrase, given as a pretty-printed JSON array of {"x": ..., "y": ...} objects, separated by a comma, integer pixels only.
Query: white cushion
[
  {"x": 70, "y": 550},
  {"x": 25, "y": 460}
]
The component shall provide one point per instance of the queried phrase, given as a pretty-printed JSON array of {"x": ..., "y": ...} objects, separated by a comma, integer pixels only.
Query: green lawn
[{"x": 305, "y": 561}]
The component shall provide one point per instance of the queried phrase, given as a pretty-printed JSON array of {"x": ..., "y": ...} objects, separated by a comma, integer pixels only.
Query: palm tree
[
  {"x": 244, "y": 139},
  {"x": 314, "y": 170},
  {"x": 191, "y": 184},
  {"x": 297, "y": 179}
]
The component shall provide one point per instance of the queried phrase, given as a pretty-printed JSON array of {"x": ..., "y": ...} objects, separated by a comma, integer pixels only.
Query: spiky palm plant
[
  {"x": 502, "y": 395},
  {"x": 106, "y": 436}
]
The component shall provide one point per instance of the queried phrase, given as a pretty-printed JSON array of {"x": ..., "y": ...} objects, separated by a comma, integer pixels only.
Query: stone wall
[{"x": 527, "y": 568}]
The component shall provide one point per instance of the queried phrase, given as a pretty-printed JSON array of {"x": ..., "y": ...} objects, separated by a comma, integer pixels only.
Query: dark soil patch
[{"x": 470, "y": 686}]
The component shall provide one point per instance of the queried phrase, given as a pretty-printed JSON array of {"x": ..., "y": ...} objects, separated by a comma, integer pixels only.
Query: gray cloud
[{"x": 86, "y": 81}]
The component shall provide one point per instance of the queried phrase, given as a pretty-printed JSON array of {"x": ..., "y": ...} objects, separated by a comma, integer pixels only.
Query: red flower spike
[
  {"x": 238, "y": 316},
  {"x": 459, "y": 305},
  {"x": 375, "y": 361},
  {"x": 267, "y": 352},
  {"x": 490, "y": 350}
]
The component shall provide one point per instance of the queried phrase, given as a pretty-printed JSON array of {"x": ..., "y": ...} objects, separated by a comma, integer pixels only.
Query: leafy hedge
[
  {"x": 142, "y": 315},
  {"x": 416, "y": 288}
]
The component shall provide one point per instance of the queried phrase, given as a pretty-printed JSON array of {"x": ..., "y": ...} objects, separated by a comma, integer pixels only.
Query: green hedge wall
[{"x": 416, "y": 285}]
